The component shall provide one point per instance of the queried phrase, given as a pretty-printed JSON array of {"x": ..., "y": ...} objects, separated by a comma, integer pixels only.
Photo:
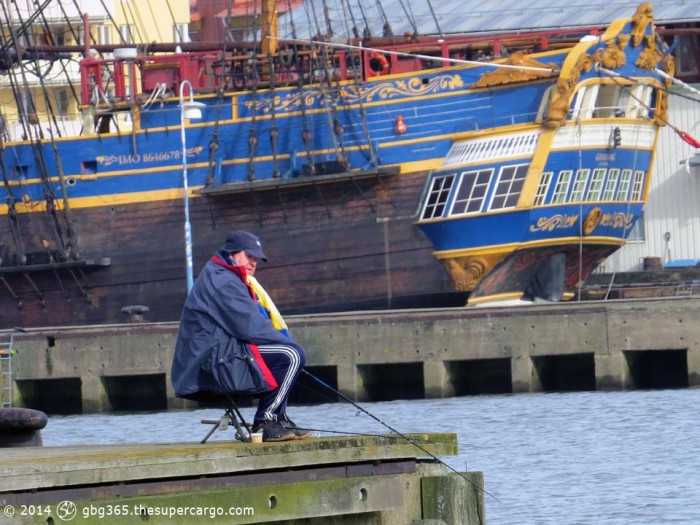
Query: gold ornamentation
[
  {"x": 592, "y": 220},
  {"x": 617, "y": 220},
  {"x": 467, "y": 272},
  {"x": 548, "y": 224},
  {"x": 613, "y": 56},
  {"x": 350, "y": 94},
  {"x": 641, "y": 19},
  {"x": 668, "y": 66},
  {"x": 661, "y": 115},
  {"x": 622, "y": 220},
  {"x": 651, "y": 55},
  {"x": 510, "y": 76},
  {"x": 559, "y": 108}
]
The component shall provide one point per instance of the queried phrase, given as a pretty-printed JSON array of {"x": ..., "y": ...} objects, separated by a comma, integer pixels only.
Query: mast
[{"x": 269, "y": 27}]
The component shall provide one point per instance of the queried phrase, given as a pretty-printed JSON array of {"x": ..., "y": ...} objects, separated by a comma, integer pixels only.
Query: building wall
[
  {"x": 673, "y": 204},
  {"x": 151, "y": 21}
]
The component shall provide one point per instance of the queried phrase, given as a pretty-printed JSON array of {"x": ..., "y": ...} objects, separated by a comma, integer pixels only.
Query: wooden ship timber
[{"x": 329, "y": 153}]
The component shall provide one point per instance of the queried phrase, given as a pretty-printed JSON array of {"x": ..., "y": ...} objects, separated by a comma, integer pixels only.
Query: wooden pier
[{"x": 356, "y": 480}]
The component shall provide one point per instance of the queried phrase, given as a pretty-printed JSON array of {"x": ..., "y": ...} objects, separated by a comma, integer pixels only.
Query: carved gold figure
[
  {"x": 613, "y": 56},
  {"x": 466, "y": 272},
  {"x": 510, "y": 76},
  {"x": 591, "y": 221},
  {"x": 641, "y": 19},
  {"x": 651, "y": 55}
]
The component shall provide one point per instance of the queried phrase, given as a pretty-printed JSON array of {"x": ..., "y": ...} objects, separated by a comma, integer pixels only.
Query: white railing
[
  {"x": 492, "y": 148},
  {"x": 600, "y": 135}
]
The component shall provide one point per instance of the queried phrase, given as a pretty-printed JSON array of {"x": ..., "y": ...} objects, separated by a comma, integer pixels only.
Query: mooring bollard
[{"x": 21, "y": 427}]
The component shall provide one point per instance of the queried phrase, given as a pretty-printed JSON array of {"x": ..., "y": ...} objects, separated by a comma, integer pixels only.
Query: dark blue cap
[{"x": 241, "y": 241}]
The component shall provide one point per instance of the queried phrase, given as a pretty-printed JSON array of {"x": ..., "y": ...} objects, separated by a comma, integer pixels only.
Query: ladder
[{"x": 6, "y": 352}]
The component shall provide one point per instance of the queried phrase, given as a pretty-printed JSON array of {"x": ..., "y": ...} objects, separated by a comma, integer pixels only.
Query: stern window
[
  {"x": 562, "y": 187},
  {"x": 596, "y": 186},
  {"x": 508, "y": 187},
  {"x": 471, "y": 192},
  {"x": 609, "y": 194},
  {"x": 542, "y": 188},
  {"x": 637, "y": 186},
  {"x": 437, "y": 198}
]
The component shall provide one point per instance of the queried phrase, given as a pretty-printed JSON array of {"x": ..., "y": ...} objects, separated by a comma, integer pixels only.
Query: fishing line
[
  {"x": 384, "y": 436},
  {"x": 401, "y": 435},
  {"x": 335, "y": 400}
]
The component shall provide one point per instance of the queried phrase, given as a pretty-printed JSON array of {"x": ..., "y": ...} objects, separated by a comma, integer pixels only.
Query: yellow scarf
[{"x": 266, "y": 302}]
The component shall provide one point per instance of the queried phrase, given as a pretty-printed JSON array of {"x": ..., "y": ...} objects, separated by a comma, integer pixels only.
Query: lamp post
[{"x": 190, "y": 110}]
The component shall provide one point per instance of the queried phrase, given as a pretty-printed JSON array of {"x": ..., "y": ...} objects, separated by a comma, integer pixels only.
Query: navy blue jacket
[{"x": 219, "y": 323}]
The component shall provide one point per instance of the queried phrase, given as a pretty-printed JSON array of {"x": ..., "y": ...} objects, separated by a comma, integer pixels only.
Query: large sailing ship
[{"x": 356, "y": 163}]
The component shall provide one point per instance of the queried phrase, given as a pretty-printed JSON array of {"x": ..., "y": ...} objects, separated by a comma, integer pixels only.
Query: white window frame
[
  {"x": 595, "y": 188},
  {"x": 623, "y": 186},
  {"x": 104, "y": 35},
  {"x": 611, "y": 184},
  {"x": 181, "y": 33},
  {"x": 470, "y": 199},
  {"x": 517, "y": 179},
  {"x": 640, "y": 100},
  {"x": 578, "y": 190},
  {"x": 127, "y": 33},
  {"x": 586, "y": 102},
  {"x": 637, "y": 186},
  {"x": 543, "y": 188},
  {"x": 439, "y": 192},
  {"x": 562, "y": 188}
]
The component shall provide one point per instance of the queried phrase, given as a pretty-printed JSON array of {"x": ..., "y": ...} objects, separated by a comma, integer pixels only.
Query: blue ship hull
[{"x": 330, "y": 173}]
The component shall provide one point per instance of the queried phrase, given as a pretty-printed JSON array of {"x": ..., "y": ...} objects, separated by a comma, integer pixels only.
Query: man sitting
[{"x": 232, "y": 339}]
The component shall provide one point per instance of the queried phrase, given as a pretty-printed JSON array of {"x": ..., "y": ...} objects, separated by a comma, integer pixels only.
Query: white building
[{"x": 673, "y": 206}]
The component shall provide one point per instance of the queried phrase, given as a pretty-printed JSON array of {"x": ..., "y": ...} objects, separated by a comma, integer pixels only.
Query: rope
[
  {"x": 554, "y": 72},
  {"x": 682, "y": 134}
]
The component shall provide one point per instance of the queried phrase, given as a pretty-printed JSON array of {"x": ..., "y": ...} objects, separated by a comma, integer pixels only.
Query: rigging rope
[
  {"x": 685, "y": 136},
  {"x": 553, "y": 72}
]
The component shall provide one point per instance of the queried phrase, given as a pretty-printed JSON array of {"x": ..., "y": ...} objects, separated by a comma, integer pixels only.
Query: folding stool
[{"x": 232, "y": 416}]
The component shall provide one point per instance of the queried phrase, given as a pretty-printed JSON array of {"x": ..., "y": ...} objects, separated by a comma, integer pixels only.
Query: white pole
[{"x": 188, "y": 227}]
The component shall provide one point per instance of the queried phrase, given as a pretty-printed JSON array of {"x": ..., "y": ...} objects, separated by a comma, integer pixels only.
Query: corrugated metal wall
[{"x": 674, "y": 196}]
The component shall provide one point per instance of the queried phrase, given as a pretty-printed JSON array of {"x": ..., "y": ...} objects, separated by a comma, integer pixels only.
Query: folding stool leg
[
  {"x": 242, "y": 428},
  {"x": 231, "y": 416}
]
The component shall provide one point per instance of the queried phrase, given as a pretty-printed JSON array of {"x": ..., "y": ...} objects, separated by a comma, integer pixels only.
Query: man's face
[{"x": 249, "y": 262}]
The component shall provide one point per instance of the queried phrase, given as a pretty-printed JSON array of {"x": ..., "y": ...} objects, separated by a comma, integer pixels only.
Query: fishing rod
[
  {"x": 400, "y": 434},
  {"x": 343, "y": 432}
]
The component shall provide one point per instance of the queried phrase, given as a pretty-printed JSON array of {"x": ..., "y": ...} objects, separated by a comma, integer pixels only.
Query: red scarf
[{"x": 240, "y": 272}]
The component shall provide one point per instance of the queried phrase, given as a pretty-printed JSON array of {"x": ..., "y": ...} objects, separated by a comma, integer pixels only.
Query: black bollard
[{"x": 21, "y": 427}]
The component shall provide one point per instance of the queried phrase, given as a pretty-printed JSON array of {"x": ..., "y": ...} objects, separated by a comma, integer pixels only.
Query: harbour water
[{"x": 587, "y": 458}]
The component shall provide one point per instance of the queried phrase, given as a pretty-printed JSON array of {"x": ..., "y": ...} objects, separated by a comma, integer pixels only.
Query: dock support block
[{"x": 453, "y": 499}]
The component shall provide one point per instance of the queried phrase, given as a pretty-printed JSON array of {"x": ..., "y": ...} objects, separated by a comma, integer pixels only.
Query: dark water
[{"x": 575, "y": 458}]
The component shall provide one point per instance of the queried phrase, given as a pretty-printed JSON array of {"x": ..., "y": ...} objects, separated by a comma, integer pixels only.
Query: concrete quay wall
[{"x": 614, "y": 345}]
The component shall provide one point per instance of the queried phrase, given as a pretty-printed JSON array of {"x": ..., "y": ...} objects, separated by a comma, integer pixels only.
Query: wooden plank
[{"x": 27, "y": 469}]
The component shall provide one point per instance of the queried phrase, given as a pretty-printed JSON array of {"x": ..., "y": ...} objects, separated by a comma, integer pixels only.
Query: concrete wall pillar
[
  {"x": 436, "y": 380},
  {"x": 454, "y": 499},
  {"x": 693, "y": 367},
  {"x": 611, "y": 371},
  {"x": 93, "y": 394},
  {"x": 523, "y": 375},
  {"x": 350, "y": 383},
  {"x": 171, "y": 400}
]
